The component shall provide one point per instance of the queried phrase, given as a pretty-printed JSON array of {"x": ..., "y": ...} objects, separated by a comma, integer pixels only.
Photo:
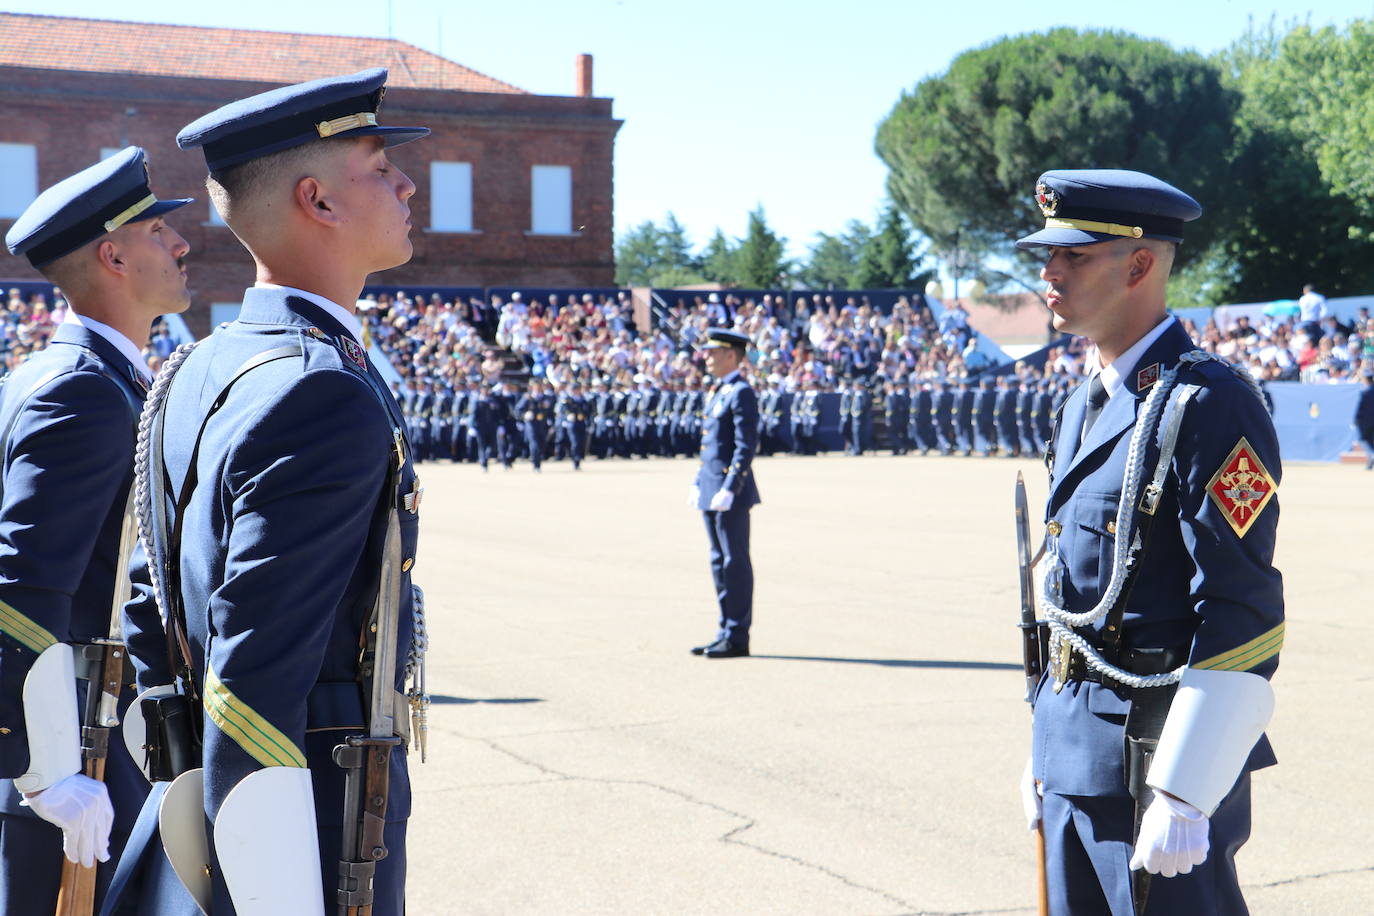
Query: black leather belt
[{"x": 1136, "y": 661}]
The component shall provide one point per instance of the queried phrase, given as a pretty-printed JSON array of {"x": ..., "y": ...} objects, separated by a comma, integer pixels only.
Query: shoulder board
[{"x": 351, "y": 351}]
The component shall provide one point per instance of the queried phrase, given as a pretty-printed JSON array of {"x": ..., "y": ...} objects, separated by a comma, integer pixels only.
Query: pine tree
[
  {"x": 759, "y": 261},
  {"x": 888, "y": 260}
]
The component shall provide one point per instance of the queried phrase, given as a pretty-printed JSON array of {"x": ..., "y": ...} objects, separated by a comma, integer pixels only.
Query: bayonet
[{"x": 1031, "y": 636}]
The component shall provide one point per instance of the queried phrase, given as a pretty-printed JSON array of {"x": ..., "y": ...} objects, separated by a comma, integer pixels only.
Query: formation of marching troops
[{"x": 1006, "y": 414}]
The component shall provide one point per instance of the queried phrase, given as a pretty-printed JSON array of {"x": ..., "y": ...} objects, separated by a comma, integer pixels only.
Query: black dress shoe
[
  {"x": 701, "y": 650},
  {"x": 725, "y": 649}
]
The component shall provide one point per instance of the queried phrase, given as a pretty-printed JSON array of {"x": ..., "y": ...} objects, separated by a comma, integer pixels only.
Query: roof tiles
[{"x": 105, "y": 46}]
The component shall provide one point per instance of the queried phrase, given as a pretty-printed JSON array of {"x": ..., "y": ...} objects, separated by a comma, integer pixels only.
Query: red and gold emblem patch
[
  {"x": 1241, "y": 488},
  {"x": 355, "y": 352},
  {"x": 1146, "y": 377}
]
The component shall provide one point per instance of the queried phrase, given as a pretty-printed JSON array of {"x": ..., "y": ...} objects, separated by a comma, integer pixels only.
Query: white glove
[
  {"x": 723, "y": 500},
  {"x": 81, "y": 807},
  {"x": 1032, "y": 798},
  {"x": 1173, "y": 837},
  {"x": 694, "y": 497}
]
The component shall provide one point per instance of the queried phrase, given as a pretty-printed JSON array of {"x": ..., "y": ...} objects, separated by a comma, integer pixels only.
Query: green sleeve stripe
[
  {"x": 24, "y": 629},
  {"x": 1248, "y": 655},
  {"x": 263, "y": 741}
]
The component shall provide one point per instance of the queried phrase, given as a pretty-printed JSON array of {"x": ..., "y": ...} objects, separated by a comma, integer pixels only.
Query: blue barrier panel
[{"x": 1313, "y": 421}]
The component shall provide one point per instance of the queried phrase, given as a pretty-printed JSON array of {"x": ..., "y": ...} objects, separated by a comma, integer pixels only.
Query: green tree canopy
[
  {"x": 758, "y": 262},
  {"x": 718, "y": 260},
  {"x": 888, "y": 260},
  {"x": 964, "y": 148},
  {"x": 834, "y": 259},
  {"x": 1286, "y": 222},
  {"x": 650, "y": 255}
]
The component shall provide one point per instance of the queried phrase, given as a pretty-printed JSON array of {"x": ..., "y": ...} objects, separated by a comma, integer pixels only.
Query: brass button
[
  {"x": 409, "y": 562},
  {"x": 1053, "y": 528},
  {"x": 3, "y": 730},
  {"x": 1111, "y": 527}
]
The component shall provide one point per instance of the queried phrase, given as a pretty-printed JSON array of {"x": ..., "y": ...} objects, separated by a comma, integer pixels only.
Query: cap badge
[{"x": 1047, "y": 198}]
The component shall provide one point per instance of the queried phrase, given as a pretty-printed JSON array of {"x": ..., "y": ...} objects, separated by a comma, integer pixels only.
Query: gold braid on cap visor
[{"x": 1087, "y": 225}]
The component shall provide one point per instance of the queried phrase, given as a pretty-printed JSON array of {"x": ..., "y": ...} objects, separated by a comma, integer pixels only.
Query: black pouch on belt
[
  {"x": 1144, "y": 724},
  {"x": 172, "y": 741}
]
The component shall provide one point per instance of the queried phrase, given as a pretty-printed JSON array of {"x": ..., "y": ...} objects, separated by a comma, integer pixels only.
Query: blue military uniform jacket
[
  {"x": 71, "y": 411},
  {"x": 1206, "y": 589},
  {"x": 729, "y": 440},
  {"x": 281, "y": 547}
]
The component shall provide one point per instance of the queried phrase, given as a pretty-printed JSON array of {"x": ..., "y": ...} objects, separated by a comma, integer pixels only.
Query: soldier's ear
[
  {"x": 312, "y": 202},
  {"x": 1141, "y": 264}
]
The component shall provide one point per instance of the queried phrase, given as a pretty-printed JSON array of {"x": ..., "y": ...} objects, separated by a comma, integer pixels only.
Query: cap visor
[
  {"x": 392, "y": 136},
  {"x": 1063, "y": 238},
  {"x": 163, "y": 207}
]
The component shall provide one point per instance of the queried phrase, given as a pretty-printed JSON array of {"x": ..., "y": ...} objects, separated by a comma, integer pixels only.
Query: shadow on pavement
[
  {"x": 439, "y": 699},
  {"x": 899, "y": 662}
]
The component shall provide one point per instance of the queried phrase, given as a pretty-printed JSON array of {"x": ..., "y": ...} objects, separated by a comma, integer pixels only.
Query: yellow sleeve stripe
[
  {"x": 263, "y": 741},
  {"x": 24, "y": 629},
  {"x": 1246, "y": 656}
]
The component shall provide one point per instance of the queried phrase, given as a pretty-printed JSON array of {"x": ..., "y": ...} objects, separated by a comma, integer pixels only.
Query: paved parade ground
[{"x": 866, "y": 759}]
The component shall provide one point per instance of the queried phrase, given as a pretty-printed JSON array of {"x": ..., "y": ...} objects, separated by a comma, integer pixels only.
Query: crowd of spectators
[
  {"x": 810, "y": 340},
  {"x": 27, "y": 323},
  {"x": 587, "y": 338},
  {"x": 1295, "y": 342}
]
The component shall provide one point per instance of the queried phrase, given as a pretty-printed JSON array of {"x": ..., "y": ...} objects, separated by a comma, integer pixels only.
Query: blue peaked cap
[
  {"x": 279, "y": 119},
  {"x": 87, "y": 205},
  {"x": 1086, "y": 206},
  {"x": 719, "y": 338}
]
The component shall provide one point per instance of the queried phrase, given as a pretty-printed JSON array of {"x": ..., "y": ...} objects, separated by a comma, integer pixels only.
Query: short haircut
[{"x": 237, "y": 186}]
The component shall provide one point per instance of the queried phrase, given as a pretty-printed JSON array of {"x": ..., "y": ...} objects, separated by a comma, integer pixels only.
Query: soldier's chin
[{"x": 404, "y": 252}]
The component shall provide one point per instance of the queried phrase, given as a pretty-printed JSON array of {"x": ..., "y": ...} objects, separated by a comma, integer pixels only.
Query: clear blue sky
[{"x": 728, "y": 105}]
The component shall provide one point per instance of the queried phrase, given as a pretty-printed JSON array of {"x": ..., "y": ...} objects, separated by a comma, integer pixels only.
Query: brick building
[{"x": 513, "y": 187}]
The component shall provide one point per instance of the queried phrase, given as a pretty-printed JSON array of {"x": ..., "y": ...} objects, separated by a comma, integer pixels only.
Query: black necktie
[{"x": 1097, "y": 399}]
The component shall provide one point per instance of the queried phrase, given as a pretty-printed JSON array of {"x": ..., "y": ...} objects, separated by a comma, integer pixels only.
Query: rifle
[
  {"x": 367, "y": 759},
  {"x": 103, "y": 661},
  {"x": 1032, "y": 654}
]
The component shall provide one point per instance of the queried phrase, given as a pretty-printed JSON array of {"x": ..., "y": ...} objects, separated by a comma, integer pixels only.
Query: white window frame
[
  {"x": 18, "y": 178},
  {"x": 551, "y": 200},
  {"x": 213, "y": 218},
  {"x": 450, "y": 197}
]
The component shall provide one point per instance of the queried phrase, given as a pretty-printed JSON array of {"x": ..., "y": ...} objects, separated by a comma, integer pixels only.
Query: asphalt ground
[{"x": 865, "y": 760}]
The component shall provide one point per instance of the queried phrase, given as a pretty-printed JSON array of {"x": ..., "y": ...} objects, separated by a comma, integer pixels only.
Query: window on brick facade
[
  {"x": 18, "y": 178},
  {"x": 551, "y": 200},
  {"x": 450, "y": 196}
]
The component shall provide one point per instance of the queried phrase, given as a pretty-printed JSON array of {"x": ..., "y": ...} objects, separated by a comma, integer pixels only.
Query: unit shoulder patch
[
  {"x": 354, "y": 351},
  {"x": 1241, "y": 488}
]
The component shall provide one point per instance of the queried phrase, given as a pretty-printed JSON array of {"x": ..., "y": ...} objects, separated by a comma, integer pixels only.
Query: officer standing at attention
[
  {"x": 725, "y": 490},
  {"x": 533, "y": 413},
  {"x": 67, "y": 422},
  {"x": 574, "y": 420},
  {"x": 1164, "y": 467},
  {"x": 292, "y": 487}
]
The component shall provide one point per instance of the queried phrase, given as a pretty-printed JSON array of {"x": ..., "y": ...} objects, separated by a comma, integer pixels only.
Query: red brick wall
[{"x": 69, "y": 116}]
